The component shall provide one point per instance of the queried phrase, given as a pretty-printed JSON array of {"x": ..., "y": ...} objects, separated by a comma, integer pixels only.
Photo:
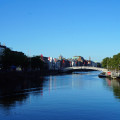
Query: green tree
[
  {"x": 36, "y": 62},
  {"x": 10, "y": 58},
  {"x": 105, "y": 62},
  {"x": 112, "y": 63}
]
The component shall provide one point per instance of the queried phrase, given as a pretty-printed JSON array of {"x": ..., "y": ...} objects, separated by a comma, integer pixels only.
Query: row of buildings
[{"x": 61, "y": 62}]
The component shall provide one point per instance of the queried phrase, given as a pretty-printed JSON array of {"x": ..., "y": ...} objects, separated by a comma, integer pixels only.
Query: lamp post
[{"x": 107, "y": 64}]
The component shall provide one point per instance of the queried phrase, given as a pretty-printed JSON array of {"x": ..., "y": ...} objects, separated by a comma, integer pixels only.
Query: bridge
[{"x": 83, "y": 68}]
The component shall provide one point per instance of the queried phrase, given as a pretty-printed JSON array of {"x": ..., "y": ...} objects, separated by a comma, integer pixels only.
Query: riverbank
[
  {"x": 27, "y": 74},
  {"x": 110, "y": 74},
  {"x": 34, "y": 74}
]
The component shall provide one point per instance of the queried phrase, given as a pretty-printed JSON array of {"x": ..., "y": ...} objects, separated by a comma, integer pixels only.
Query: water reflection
[
  {"x": 64, "y": 82},
  {"x": 14, "y": 91},
  {"x": 73, "y": 96},
  {"x": 18, "y": 91},
  {"x": 114, "y": 85}
]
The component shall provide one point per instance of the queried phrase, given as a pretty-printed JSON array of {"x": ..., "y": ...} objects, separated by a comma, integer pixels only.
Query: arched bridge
[{"x": 83, "y": 68}]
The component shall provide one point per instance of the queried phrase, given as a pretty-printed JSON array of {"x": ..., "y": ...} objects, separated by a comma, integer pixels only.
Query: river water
[{"x": 77, "y": 96}]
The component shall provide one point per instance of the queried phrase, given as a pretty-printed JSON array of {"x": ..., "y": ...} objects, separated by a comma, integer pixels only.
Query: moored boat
[{"x": 102, "y": 75}]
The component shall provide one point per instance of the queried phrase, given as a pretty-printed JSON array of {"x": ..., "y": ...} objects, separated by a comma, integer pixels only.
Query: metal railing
[{"x": 84, "y": 67}]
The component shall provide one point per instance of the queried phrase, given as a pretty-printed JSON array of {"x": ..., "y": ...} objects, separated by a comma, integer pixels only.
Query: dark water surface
[{"x": 81, "y": 96}]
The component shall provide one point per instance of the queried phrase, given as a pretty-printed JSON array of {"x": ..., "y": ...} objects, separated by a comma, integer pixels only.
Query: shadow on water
[
  {"x": 113, "y": 85},
  {"x": 17, "y": 89}
]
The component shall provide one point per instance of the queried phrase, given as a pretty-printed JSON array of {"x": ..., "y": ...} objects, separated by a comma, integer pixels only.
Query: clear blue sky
[{"x": 67, "y": 27}]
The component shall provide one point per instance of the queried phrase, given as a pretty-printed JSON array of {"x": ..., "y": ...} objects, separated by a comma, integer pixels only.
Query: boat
[{"x": 102, "y": 75}]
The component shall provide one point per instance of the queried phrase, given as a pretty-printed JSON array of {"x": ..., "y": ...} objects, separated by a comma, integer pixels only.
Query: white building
[
  {"x": 73, "y": 63},
  {"x": 51, "y": 63},
  {"x": 54, "y": 64}
]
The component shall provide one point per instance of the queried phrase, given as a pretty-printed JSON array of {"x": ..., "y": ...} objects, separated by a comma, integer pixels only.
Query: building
[
  {"x": 58, "y": 65},
  {"x": 74, "y": 63},
  {"x": 51, "y": 63},
  {"x": 78, "y": 61},
  {"x": 60, "y": 57},
  {"x": 92, "y": 63},
  {"x": 46, "y": 62}
]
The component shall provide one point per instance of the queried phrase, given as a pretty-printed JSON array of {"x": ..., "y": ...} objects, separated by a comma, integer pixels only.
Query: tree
[
  {"x": 15, "y": 58},
  {"x": 36, "y": 62},
  {"x": 105, "y": 62},
  {"x": 112, "y": 63}
]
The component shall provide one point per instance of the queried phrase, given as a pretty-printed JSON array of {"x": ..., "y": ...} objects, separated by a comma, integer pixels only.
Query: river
[{"x": 77, "y": 96}]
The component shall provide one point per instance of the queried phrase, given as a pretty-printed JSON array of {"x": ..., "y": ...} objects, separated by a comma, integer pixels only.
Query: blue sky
[{"x": 67, "y": 27}]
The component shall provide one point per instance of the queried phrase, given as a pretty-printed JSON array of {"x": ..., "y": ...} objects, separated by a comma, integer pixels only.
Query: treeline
[
  {"x": 13, "y": 59},
  {"x": 112, "y": 63}
]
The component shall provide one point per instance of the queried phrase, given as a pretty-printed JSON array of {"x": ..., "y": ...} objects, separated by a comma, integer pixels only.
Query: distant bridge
[{"x": 83, "y": 68}]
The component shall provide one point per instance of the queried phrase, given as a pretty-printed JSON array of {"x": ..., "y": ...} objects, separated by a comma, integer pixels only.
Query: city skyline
[{"x": 67, "y": 27}]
